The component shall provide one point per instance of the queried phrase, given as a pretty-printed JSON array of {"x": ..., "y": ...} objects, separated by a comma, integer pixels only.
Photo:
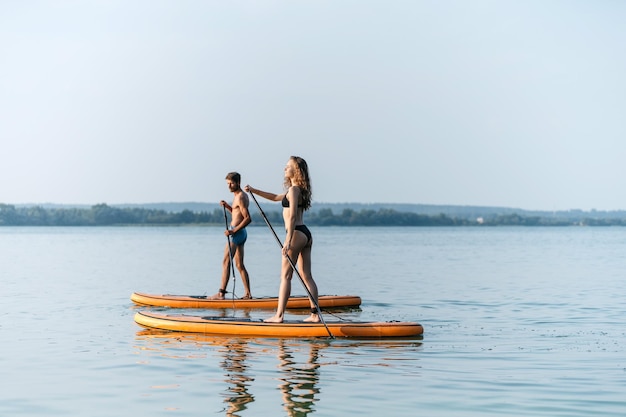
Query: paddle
[
  {"x": 317, "y": 306},
  {"x": 230, "y": 252}
]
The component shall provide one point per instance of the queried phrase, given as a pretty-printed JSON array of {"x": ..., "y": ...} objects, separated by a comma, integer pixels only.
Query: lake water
[{"x": 518, "y": 321}]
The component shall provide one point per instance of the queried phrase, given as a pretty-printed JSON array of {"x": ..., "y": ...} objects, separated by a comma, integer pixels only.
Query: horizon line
[{"x": 483, "y": 206}]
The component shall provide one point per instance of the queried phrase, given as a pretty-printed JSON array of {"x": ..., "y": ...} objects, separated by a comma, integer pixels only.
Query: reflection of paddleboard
[
  {"x": 252, "y": 327},
  {"x": 199, "y": 301}
]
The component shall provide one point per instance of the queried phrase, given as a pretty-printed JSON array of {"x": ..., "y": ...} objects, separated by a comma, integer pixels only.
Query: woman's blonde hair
[{"x": 302, "y": 180}]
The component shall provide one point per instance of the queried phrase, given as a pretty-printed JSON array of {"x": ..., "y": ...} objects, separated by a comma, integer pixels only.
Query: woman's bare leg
[
  {"x": 283, "y": 292},
  {"x": 304, "y": 263},
  {"x": 299, "y": 240}
]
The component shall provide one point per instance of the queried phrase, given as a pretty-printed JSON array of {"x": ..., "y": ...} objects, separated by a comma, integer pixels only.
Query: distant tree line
[
  {"x": 100, "y": 215},
  {"x": 380, "y": 217},
  {"x": 105, "y": 215}
]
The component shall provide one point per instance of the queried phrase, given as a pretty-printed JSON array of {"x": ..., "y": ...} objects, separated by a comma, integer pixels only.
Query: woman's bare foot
[
  {"x": 313, "y": 318},
  {"x": 274, "y": 319},
  {"x": 221, "y": 294}
]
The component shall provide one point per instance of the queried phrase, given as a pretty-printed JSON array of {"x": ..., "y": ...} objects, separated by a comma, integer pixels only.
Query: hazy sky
[{"x": 499, "y": 103}]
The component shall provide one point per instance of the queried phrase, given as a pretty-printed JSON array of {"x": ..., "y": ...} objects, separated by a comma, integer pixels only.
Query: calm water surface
[{"x": 518, "y": 321}]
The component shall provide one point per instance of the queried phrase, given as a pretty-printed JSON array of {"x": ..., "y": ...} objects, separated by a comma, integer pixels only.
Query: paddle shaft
[
  {"x": 293, "y": 266},
  {"x": 230, "y": 249}
]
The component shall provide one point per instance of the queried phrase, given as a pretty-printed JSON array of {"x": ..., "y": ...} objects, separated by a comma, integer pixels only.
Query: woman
[{"x": 298, "y": 241}]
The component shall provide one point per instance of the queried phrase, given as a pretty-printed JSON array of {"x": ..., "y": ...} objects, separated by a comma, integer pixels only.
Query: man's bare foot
[
  {"x": 274, "y": 319},
  {"x": 313, "y": 318},
  {"x": 247, "y": 297}
]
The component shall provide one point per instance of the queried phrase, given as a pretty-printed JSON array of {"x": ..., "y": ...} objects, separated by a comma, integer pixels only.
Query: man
[{"x": 237, "y": 235}]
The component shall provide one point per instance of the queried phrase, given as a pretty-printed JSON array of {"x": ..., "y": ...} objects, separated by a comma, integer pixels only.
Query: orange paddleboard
[
  {"x": 258, "y": 328},
  {"x": 198, "y": 301}
]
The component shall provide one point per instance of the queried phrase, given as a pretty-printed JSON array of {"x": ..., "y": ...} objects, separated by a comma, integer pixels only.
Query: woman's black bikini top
[{"x": 285, "y": 202}]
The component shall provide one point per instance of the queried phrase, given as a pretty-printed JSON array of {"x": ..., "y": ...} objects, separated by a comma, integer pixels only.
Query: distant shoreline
[
  {"x": 328, "y": 214},
  {"x": 448, "y": 209}
]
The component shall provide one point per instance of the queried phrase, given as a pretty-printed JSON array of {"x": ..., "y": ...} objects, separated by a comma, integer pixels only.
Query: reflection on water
[
  {"x": 299, "y": 380},
  {"x": 298, "y": 363},
  {"x": 235, "y": 352}
]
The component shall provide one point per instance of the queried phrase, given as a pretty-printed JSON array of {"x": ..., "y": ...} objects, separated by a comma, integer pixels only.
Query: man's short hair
[{"x": 234, "y": 177}]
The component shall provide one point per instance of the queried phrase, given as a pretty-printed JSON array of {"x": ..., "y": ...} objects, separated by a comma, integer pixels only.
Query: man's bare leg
[
  {"x": 221, "y": 294},
  {"x": 245, "y": 278}
]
